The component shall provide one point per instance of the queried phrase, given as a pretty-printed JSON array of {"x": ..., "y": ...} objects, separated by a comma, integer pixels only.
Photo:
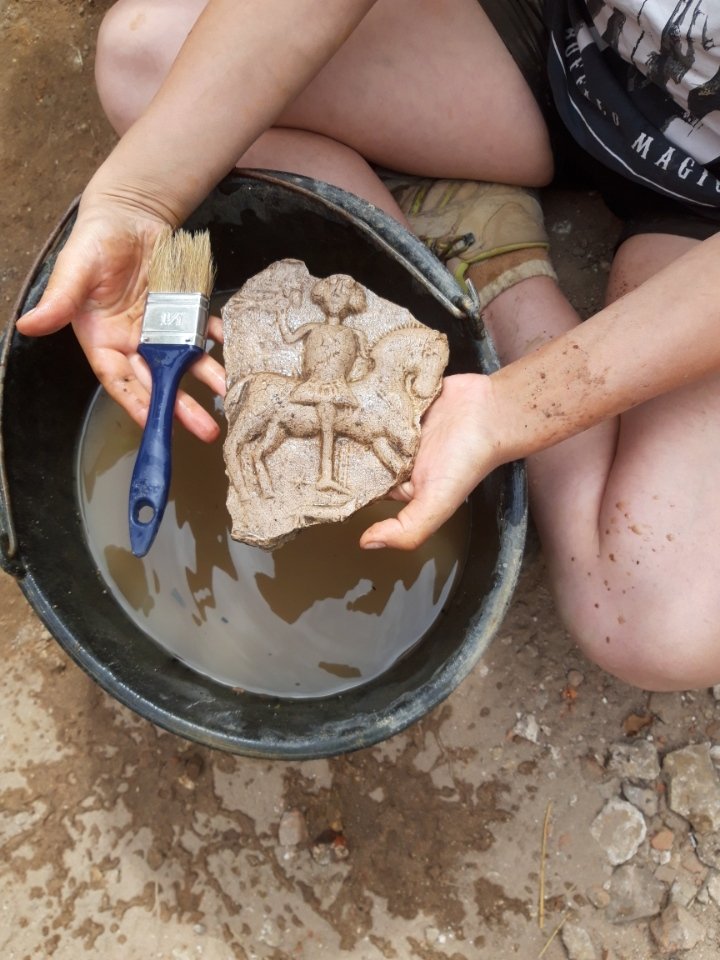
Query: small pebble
[
  {"x": 292, "y": 830},
  {"x": 527, "y": 728},
  {"x": 598, "y": 897},
  {"x": 662, "y": 840}
]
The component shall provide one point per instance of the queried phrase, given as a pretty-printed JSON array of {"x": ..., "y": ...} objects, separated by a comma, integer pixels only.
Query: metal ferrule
[{"x": 175, "y": 318}]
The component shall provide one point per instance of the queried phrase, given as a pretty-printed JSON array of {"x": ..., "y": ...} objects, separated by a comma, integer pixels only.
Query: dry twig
[
  {"x": 543, "y": 856},
  {"x": 552, "y": 936}
]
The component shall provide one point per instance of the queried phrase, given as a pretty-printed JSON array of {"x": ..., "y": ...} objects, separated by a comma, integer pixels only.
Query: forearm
[
  {"x": 242, "y": 63},
  {"x": 664, "y": 334}
]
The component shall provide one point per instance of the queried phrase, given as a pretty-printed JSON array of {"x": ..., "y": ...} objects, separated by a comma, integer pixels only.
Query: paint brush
[{"x": 174, "y": 329}]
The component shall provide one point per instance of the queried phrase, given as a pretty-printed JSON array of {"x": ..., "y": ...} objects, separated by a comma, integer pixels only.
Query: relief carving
[{"x": 326, "y": 387}]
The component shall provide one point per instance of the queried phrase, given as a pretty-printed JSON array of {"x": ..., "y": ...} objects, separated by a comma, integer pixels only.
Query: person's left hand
[{"x": 458, "y": 447}]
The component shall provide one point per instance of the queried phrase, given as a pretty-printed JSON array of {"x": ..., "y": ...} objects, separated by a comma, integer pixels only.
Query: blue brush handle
[{"x": 150, "y": 482}]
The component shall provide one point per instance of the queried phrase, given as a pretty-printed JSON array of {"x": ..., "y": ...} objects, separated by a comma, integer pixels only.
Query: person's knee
[
  {"x": 655, "y": 644},
  {"x": 121, "y": 58},
  {"x": 136, "y": 45}
]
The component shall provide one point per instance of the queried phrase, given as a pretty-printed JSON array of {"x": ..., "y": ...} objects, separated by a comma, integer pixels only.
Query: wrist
[
  {"x": 496, "y": 408},
  {"x": 137, "y": 195},
  {"x": 473, "y": 400}
]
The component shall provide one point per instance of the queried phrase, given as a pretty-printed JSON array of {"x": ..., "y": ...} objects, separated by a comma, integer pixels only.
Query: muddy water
[{"x": 312, "y": 618}]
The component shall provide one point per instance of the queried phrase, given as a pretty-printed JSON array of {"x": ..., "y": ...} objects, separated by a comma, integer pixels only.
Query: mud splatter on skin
[{"x": 585, "y": 384}]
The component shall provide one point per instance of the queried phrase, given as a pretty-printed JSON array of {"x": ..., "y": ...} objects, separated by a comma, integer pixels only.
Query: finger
[
  {"x": 412, "y": 526},
  {"x": 215, "y": 330},
  {"x": 403, "y": 492},
  {"x": 118, "y": 378},
  {"x": 211, "y": 373},
  {"x": 67, "y": 290},
  {"x": 189, "y": 412},
  {"x": 195, "y": 418}
]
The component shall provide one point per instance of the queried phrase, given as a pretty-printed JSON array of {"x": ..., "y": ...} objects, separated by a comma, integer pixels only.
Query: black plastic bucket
[{"x": 45, "y": 388}]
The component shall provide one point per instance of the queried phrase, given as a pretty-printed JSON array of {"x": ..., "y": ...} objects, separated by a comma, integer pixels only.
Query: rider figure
[{"x": 331, "y": 350}]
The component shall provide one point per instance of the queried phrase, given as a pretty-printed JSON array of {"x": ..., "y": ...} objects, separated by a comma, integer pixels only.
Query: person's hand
[
  {"x": 458, "y": 447},
  {"x": 99, "y": 285}
]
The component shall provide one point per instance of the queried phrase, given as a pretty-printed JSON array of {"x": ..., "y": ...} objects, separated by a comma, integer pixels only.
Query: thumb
[
  {"x": 422, "y": 516},
  {"x": 64, "y": 297}
]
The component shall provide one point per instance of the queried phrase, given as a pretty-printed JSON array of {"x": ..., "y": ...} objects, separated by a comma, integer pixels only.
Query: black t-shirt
[{"x": 637, "y": 84}]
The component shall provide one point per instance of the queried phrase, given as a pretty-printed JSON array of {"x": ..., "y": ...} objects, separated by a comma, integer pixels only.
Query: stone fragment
[
  {"x": 619, "y": 829},
  {"x": 598, "y": 896},
  {"x": 692, "y": 864},
  {"x": 702, "y": 896},
  {"x": 635, "y": 894},
  {"x": 716, "y": 691},
  {"x": 321, "y": 853},
  {"x": 577, "y": 942},
  {"x": 292, "y": 830},
  {"x": 644, "y": 798},
  {"x": 694, "y": 787},
  {"x": 662, "y": 840},
  {"x": 676, "y": 929},
  {"x": 575, "y": 678},
  {"x": 713, "y": 887},
  {"x": 326, "y": 385},
  {"x": 527, "y": 728},
  {"x": 660, "y": 856},
  {"x": 683, "y": 890},
  {"x": 330, "y": 845},
  {"x": 666, "y": 874},
  {"x": 708, "y": 850},
  {"x": 634, "y": 761}
]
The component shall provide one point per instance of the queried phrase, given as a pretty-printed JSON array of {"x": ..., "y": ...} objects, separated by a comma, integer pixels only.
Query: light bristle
[{"x": 182, "y": 262}]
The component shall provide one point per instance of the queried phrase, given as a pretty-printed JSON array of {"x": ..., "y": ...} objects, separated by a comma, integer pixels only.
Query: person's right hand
[
  {"x": 459, "y": 445},
  {"x": 99, "y": 284}
]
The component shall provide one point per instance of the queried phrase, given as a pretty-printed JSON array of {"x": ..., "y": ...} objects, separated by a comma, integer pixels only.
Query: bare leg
[
  {"x": 326, "y": 480},
  {"x": 628, "y": 512},
  {"x": 422, "y": 86}
]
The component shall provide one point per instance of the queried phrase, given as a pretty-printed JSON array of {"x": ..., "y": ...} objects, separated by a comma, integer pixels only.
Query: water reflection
[{"x": 312, "y": 618}]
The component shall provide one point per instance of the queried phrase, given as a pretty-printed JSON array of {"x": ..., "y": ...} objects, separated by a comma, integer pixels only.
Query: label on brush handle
[{"x": 175, "y": 318}]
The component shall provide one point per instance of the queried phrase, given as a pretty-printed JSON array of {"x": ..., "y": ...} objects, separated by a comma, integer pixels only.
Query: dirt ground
[{"x": 468, "y": 836}]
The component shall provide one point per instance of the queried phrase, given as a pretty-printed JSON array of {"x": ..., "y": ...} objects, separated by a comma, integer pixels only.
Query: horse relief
[{"x": 327, "y": 383}]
